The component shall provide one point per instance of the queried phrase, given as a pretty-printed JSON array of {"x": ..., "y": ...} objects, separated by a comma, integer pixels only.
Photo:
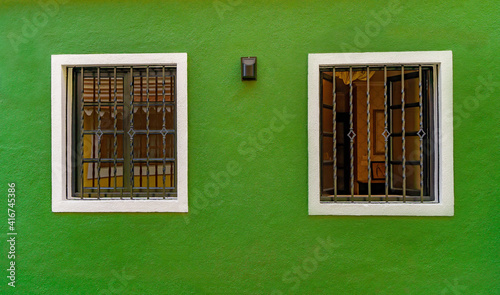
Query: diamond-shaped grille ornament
[
  {"x": 386, "y": 134},
  {"x": 131, "y": 133},
  {"x": 351, "y": 135},
  {"x": 99, "y": 134},
  {"x": 164, "y": 132},
  {"x": 421, "y": 133}
]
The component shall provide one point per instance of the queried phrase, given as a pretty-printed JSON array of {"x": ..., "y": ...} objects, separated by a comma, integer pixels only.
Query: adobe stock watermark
[
  {"x": 453, "y": 288},
  {"x": 462, "y": 110},
  {"x": 300, "y": 272},
  {"x": 118, "y": 284},
  {"x": 11, "y": 233},
  {"x": 223, "y": 6},
  {"x": 486, "y": 86},
  {"x": 372, "y": 28},
  {"x": 33, "y": 24},
  {"x": 248, "y": 148}
]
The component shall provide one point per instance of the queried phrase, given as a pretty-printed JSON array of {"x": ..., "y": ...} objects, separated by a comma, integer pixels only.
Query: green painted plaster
[{"x": 255, "y": 236}]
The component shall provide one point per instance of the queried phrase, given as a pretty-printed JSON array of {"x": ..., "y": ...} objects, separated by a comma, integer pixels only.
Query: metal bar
[
  {"x": 82, "y": 127},
  {"x": 110, "y": 132},
  {"x": 110, "y": 146},
  {"x": 103, "y": 160},
  {"x": 126, "y": 136},
  {"x": 137, "y": 195},
  {"x": 156, "y": 137},
  {"x": 351, "y": 134},
  {"x": 131, "y": 132},
  {"x": 163, "y": 128},
  {"x": 153, "y": 159},
  {"x": 108, "y": 69},
  {"x": 376, "y": 67},
  {"x": 334, "y": 111},
  {"x": 403, "y": 135},
  {"x": 147, "y": 129},
  {"x": 104, "y": 104},
  {"x": 112, "y": 188},
  {"x": 115, "y": 137},
  {"x": 421, "y": 135},
  {"x": 121, "y": 160},
  {"x": 173, "y": 168},
  {"x": 386, "y": 137},
  {"x": 109, "y": 142},
  {"x": 321, "y": 138},
  {"x": 93, "y": 126},
  {"x": 141, "y": 89},
  {"x": 377, "y": 198},
  {"x": 140, "y": 163},
  {"x": 104, "y": 132},
  {"x": 368, "y": 141},
  {"x": 99, "y": 135}
]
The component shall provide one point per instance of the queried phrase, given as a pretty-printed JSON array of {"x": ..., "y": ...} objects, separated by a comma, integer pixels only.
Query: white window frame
[
  {"x": 444, "y": 204},
  {"x": 61, "y": 128}
]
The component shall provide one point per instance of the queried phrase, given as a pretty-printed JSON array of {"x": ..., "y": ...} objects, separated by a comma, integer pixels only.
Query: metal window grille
[
  {"x": 124, "y": 132},
  {"x": 377, "y": 133}
]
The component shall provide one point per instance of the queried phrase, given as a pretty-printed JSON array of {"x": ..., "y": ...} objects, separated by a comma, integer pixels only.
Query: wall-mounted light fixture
[{"x": 249, "y": 68}]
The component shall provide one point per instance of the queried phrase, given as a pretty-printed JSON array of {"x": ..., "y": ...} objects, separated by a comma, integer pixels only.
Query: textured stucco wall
[{"x": 250, "y": 234}]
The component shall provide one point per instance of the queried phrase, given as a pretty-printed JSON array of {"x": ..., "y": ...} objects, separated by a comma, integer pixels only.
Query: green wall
[{"x": 251, "y": 233}]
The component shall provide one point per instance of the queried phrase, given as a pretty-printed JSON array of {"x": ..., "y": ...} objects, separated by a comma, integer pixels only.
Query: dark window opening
[
  {"x": 377, "y": 133},
  {"x": 123, "y": 132}
]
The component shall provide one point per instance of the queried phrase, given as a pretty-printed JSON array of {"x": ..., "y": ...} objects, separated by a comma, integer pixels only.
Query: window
[
  {"x": 380, "y": 133},
  {"x": 119, "y": 133}
]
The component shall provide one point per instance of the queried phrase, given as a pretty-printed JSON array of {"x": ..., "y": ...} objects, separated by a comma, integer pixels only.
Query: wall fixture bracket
[{"x": 248, "y": 68}]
